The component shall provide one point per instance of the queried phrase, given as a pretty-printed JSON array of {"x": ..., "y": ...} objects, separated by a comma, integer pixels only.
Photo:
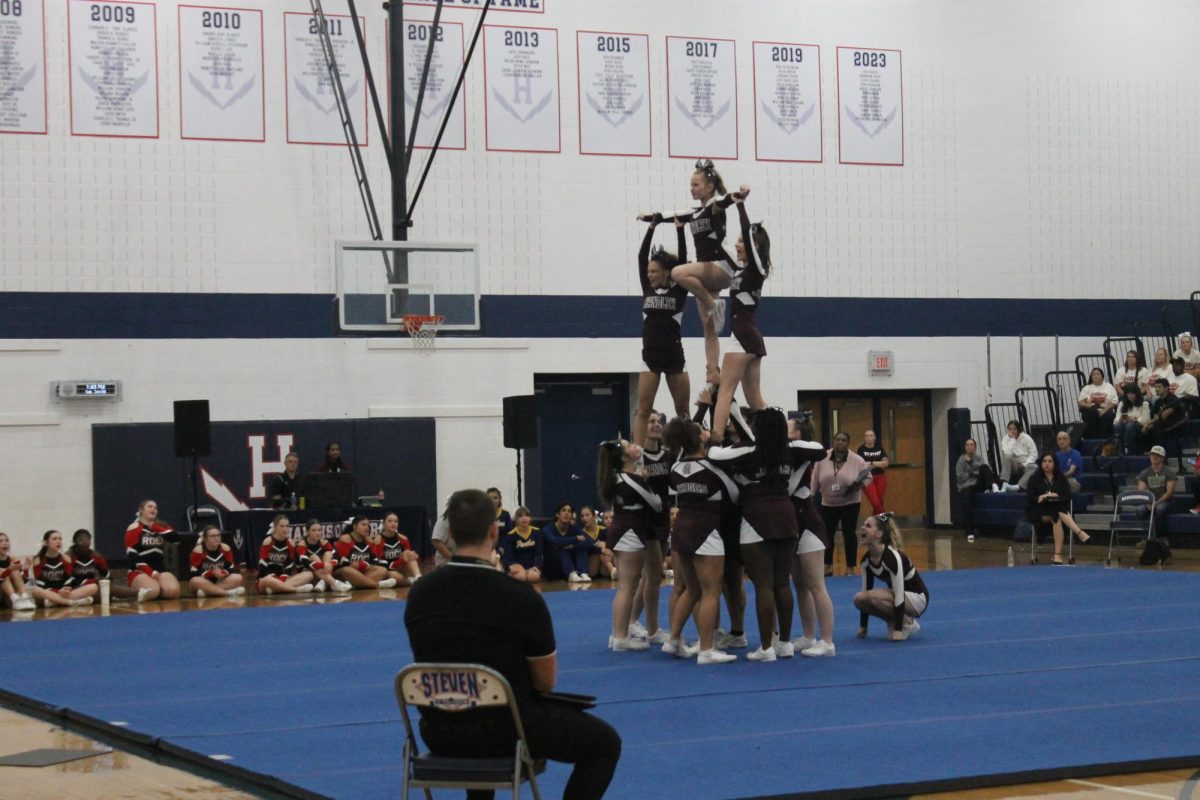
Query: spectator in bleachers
[
  {"x": 1098, "y": 406},
  {"x": 1070, "y": 462},
  {"x": 1161, "y": 367},
  {"x": 1018, "y": 457},
  {"x": 1160, "y": 480},
  {"x": 522, "y": 549},
  {"x": 1183, "y": 386},
  {"x": 972, "y": 476},
  {"x": 1134, "y": 371},
  {"x": 1133, "y": 412},
  {"x": 1190, "y": 355},
  {"x": 1167, "y": 414}
]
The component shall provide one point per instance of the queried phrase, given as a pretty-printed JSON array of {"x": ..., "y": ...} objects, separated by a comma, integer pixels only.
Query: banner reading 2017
[
  {"x": 787, "y": 102},
  {"x": 870, "y": 106},
  {"x": 614, "y": 93},
  {"x": 701, "y": 98},
  {"x": 114, "y": 69},
  {"x": 221, "y": 74},
  {"x": 520, "y": 78},
  {"x": 22, "y": 67},
  {"x": 312, "y": 114}
]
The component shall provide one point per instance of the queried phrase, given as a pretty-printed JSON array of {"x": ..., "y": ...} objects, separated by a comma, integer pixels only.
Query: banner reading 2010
[
  {"x": 521, "y": 99},
  {"x": 22, "y": 67},
  {"x": 221, "y": 74},
  {"x": 701, "y": 98},
  {"x": 870, "y": 106},
  {"x": 114, "y": 69}
]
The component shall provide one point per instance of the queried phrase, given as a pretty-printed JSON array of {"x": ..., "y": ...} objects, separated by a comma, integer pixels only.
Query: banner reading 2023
[
  {"x": 870, "y": 107},
  {"x": 312, "y": 114},
  {"x": 221, "y": 74},
  {"x": 787, "y": 102},
  {"x": 521, "y": 101},
  {"x": 701, "y": 98},
  {"x": 614, "y": 93},
  {"x": 114, "y": 69},
  {"x": 22, "y": 67}
]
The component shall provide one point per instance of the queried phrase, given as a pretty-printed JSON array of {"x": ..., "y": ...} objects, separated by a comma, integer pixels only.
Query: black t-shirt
[
  {"x": 467, "y": 612},
  {"x": 283, "y": 487},
  {"x": 875, "y": 454}
]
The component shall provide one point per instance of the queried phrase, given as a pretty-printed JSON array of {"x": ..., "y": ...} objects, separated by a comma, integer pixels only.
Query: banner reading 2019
[
  {"x": 701, "y": 98},
  {"x": 520, "y": 77},
  {"x": 787, "y": 102},
  {"x": 22, "y": 67},
  {"x": 870, "y": 106}
]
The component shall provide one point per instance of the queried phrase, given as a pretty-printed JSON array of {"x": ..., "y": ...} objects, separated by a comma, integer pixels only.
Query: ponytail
[
  {"x": 762, "y": 246},
  {"x": 609, "y": 461},
  {"x": 770, "y": 436},
  {"x": 889, "y": 531}
]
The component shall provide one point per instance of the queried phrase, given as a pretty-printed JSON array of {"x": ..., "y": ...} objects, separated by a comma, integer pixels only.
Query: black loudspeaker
[
  {"x": 520, "y": 422},
  {"x": 191, "y": 428}
]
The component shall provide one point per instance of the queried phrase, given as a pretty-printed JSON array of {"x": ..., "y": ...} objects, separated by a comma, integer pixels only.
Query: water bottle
[
  {"x": 293, "y": 502},
  {"x": 1011, "y": 561}
]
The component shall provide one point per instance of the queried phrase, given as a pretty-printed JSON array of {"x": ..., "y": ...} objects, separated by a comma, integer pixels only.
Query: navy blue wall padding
[{"x": 1016, "y": 675}]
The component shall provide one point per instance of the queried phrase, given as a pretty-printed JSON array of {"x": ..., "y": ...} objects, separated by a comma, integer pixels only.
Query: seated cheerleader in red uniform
[
  {"x": 357, "y": 559},
  {"x": 213, "y": 570},
  {"x": 53, "y": 584},
  {"x": 396, "y": 554},
  {"x": 315, "y": 553},
  {"x": 12, "y": 579},
  {"x": 144, "y": 540},
  {"x": 277, "y": 562}
]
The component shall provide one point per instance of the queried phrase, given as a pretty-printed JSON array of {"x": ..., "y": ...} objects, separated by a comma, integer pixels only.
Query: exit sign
[{"x": 881, "y": 362}]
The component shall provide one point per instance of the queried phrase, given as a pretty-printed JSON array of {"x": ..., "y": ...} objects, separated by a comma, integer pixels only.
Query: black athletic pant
[
  {"x": 848, "y": 517},
  {"x": 983, "y": 483},
  {"x": 554, "y": 730}
]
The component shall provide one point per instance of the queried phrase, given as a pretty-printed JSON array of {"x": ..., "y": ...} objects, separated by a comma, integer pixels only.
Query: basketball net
[{"x": 423, "y": 329}]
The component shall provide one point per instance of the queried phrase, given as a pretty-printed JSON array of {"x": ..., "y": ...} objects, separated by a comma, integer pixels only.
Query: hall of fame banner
[
  {"x": 529, "y": 6},
  {"x": 870, "y": 107},
  {"x": 221, "y": 93},
  {"x": 312, "y": 114},
  {"x": 114, "y": 69},
  {"x": 787, "y": 102},
  {"x": 444, "y": 67},
  {"x": 521, "y": 92},
  {"x": 22, "y": 66},
  {"x": 614, "y": 93},
  {"x": 701, "y": 98}
]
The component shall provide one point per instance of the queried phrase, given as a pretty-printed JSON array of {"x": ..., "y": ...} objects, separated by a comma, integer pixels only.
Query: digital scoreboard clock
[{"x": 77, "y": 390}]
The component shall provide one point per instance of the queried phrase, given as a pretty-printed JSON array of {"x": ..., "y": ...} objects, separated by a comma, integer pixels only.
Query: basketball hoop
[{"x": 423, "y": 329}]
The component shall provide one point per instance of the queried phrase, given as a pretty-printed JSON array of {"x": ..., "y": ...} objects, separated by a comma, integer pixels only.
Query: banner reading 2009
[
  {"x": 701, "y": 98},
  {"x": 870, "y": 106},
  {"x": 312, "y": 115},
  {"x": 114, "y": 69},
  {"x": 221, "y": 74},
  {"x": 520, "y": 76},
  {"x": 614, "y": 93},
  {"x": 22, "y": 67},
  {"x": 787, "y": 102}
]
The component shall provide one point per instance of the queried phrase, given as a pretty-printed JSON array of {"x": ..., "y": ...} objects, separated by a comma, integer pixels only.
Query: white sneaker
[
  {"x": 637, "y": 630},
  {"x": 319, "y": 586},
  {"x": 268, "y": 590},
  {"x": 679, "y": 648},
  {"x": 996, "y": 488},
  {"x": 237, "y": 592},
  {"x": 911, "y": 628},
  {"x": 627, "y": 644},
  {"x": 23, "y": 602},
  {"x": 761, "y": 654},
  {"x": 341, "y": 587},
  {"x": 386, "y": 583},
  {"x": 783, "y": 649},
  {"x": 200, "y": 593},
  {"x": 970, "y": 538},
  {"x": 574, "y": 577},
  {"x": 714, "y": 656},
  {"x": 661, "y": 636},
  {"x": 142, "y": 595},
  {"x": 412, "y": 580},
  {"x": 821, "y": 648},
  {"x": 613, "y": 577},
  {"x": 802, "y": 643},
  {"x": 727, "y": 641},
  {"x": 583, "y": 576},
  {"x": 305, "y": 589},
  {"x": 82, "y": 601}
]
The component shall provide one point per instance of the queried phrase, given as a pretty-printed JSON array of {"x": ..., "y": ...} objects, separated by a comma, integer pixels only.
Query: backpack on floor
[
  {"x": 1022, "y": 531},
  {"x": 1157, "y": 551}
]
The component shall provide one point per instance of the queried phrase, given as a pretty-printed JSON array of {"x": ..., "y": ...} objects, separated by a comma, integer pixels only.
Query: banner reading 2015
[
  {"x": 614, "y": 93},
  {"x": 312, "y": 114},
  {"x": 870, "y": 107},
  {"x": 114, "y": 69},
  {"x": 787, "y": 102},
  {"x": 22, "y": 67},
  {"x": 520, "y": 77},
  {"x": 701, "y": 98},
  {"x": 444, "y": 67},
  {"x": 221, "y": 74}
]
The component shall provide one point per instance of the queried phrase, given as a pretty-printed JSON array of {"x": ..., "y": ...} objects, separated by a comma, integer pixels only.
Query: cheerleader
[
  {"x": 357, "y": 558},
  {"x": 315, "y": 554},
  {"x": 396, "y": 553},
  {"x": 662, "y": 313},
  {"x": 906, "y": 597},
  {"x": 808, "y": 565},
  {"x": 53, "y": 581},
  {"x": 144, "y": 539},
  {"x": 634, "y": 505},
  {"x": 523, "y": 549},
  {"x": 277, "y": 567},
  {"x": 213, "y": 570},
  {"x": 87, "y": 566},
  {"x": 600, "y": 559},
  {"x": 503, "y": 518},
  {"x": 12, "y": 578},
  {"x": 656, "y": 468}
]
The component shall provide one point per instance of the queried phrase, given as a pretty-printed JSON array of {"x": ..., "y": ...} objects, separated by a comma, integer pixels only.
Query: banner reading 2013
[
  {"x": 221, "y": 74},
  {"x": 312, "y": 114},
  {"x": 701, "y": 98},
  {"x": 22, "y": 67},
  {"x": 114, "y": 69},
  {"x": 787, "y": 102},
  {"x": 444, "y": 67},
  {"x": 614, "y": 93},
  {"x": 870, "y": 107},
  {"x": 520, "y": 78}
]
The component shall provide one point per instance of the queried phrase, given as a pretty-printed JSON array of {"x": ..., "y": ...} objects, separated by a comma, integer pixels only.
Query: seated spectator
[
  {"x": 1160, "y": 480},
  {"x": 569, "y": 544},
  {"x": 53, "y": 582},
  {"x": 1134, "y": 371},
  {"x": 278, "y": 570},
  {"x": 600, "y": 560},
  {"x": 357, "y": 558},
  {"x": 1070, "y": 462},
  {"x": 972, "y": 476},
  {"x": 1133, "y": 412},
  {"x": 1167, "y": 415},
  {"x": 1018, "y": 457},
  {"x": 333, "y": 460},
  {"x": 1161, "y": 367},
  {"x": 1097, "y": 406},
  {"x": 1195, "y": 509},
  {"x": 12, "y": 578},
  {"x": 503, "y": 518},
  {"x": 1190, "y": 355},
  {"x": 214, "y": 573},
  {"x": 396, "y": 553},
  {"x": 521, "y": 549},
  {"x": 286, "y": 488},
  {"x": 315, "y": 554},
  {"x": 144, "y": 540},
  {"x": 1183, "y": 386},
  {"x": 1048, "y": 498}
]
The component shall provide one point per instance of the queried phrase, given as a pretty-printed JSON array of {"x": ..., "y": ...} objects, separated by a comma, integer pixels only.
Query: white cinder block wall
[{"x": 1052, "y": 151}]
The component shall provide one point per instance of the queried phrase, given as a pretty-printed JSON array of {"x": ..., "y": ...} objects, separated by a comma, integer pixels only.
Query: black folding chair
[{"x": 1133, "y": 529}]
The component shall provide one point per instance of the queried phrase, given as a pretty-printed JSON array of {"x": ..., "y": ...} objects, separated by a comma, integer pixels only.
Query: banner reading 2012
[
  {"x": 312, "y": 114},
  {"x": 787, "y": 102},
  {"x": 614, "y": 93},
  {"x": 221, "y": 74},
  {"x": 22, "y": 67},
  {"x": 114, "y": 69},
  {"x": 444, "y": 67},
  {"x": 701, "y": 98},
  {"x": 870, "y": 107},
  {"x": 520, "y": 79}
]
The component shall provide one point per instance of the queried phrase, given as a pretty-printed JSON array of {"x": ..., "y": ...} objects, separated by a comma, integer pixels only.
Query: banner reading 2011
[
  {"x": 787, "y": 102},
  {"x": 614, "y": 93},
  {"x": 870, "y": 107},
  {"x": 114, "y": 69},
  {"x": 520, "y": 78},
  {"x": 22, "y": 67},
  {"x": 312, "y": 114},
  {"x": 221, "y": 74},
  {"x": 701, "y": 98},
  {"x": 444, "y": 67}
]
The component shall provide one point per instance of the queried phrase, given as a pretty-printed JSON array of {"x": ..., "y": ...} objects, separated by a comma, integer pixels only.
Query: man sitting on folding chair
[
  {"x": 467, "y": 612},
  {"x": 1160, "y": 480}
]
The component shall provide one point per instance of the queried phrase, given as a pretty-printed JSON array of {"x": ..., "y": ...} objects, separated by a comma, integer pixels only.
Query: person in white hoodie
[{"x": 1017, "y": 452}]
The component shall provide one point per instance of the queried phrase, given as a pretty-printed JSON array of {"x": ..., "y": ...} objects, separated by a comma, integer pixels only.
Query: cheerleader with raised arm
[
  {"x": 905, "y": 597},
  {"x": 214, "y": 573},
  {"x": 144, "y": 540},
  {"x": 53, "y": 582},
  {"x": 634, "y": 505},
  {"x": 278, "y": 570}
]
